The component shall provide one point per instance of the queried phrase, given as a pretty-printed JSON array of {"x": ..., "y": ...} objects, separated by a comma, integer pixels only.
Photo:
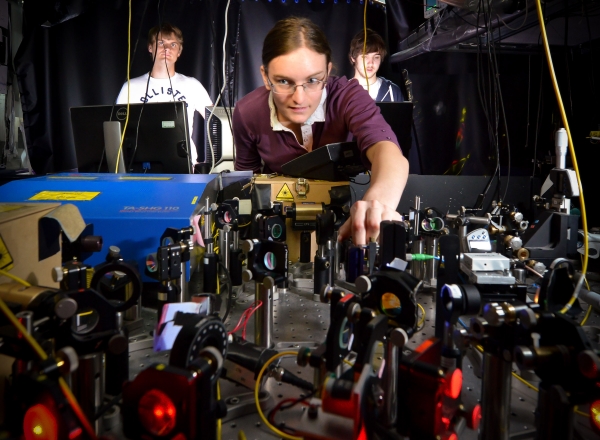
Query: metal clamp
[{"x": 302, "y": 187}]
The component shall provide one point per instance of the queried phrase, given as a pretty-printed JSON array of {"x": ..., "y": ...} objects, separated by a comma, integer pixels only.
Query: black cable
[
  {"x": 137, "y": 131},
  {"x": 537, "y": 123},
  {"x": 497, "y": 77},
  {"x": 229, "y": 293},
  {"x": 466, "y": 21},
  {"x": 484, "y": 106},
  {"x": 566, "y": 49}
]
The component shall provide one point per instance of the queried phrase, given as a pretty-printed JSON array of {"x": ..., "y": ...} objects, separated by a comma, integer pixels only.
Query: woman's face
[{"x": 298, "y": 67}]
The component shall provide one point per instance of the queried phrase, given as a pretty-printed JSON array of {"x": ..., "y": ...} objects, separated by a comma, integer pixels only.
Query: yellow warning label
[
  {"x": 194, "y": 200},
  {"x": 144, "y": 178},
  {"x": 6, "y": 261},
  {"x": 285, "y": 194},
  {"x": 6, "y": 208},
  {"x": 72, "y": 196}
]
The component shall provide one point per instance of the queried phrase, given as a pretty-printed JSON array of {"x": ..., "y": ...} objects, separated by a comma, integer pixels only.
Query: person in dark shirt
[
  {"x": 303, "y": 107},
  {"x": 367, "y": 65}
]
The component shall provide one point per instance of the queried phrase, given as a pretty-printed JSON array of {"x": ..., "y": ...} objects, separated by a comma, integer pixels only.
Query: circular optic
[
  {"x": 426, "y": 224},
  {"x": 85, "y": 321},
  {"x": 151, "y": 263},
  {"x": 40, "y": 423},
  {"x": 227, "y": 217},
  {"x": 345, "y": 334},
  {"x": 167, "y": 241},
  {"x": 157, "y": 412},
  {"x": 391, "y": 305},
  {"x": 475, "y": 417},
  {"x": 454, "y": 385},
  {"x": 276, "y": 231},
  {"x": 270, "y": 260}
]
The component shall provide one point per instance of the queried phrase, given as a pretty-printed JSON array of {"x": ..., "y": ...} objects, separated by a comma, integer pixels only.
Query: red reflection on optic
[
  {"x": 454, "y": 385},
  {"x": 157, "y": 412},
  {"x": 475, "y": 417},
  {"x": 40, "y": 423},
  {"x": 595, "y": 415}
]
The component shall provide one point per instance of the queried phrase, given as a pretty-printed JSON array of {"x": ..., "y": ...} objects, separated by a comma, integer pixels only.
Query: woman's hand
[{"x": 365, "y": 217}]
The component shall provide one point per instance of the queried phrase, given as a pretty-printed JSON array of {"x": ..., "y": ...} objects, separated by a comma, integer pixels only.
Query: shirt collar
[{"x": 317, "y": 116}]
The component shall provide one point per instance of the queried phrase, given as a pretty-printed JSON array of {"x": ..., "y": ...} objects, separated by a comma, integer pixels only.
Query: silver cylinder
[
  {"x": 206, "y": 233},
  {"x": 336, "y": 256},
  {"x": 119, "y": 316},
  {"x": 462, "y": 235},
  {"x": 26, "y": 319},
  {"x": 224, "y": 243},
  {"x": 418, "y": 267},
  {"x": 520, "y": 275},
  {"x": 235, "y": 241},
  {"x": 134, "y": 312},
  {"x": 389, "y": 412},
  {"x": 417, "y": 220},
  {"x": 561, "y": 141},
  {"x": 87, "y": 383},
  {"x": 431, "y": 266},
  {"x": 263, "y": 317},
  {"x": 183, "y": 294},
  {"x": 495, "y": 398}
]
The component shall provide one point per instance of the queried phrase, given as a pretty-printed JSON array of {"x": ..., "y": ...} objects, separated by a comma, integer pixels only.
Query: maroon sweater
[{"x": 350, "y": 113}]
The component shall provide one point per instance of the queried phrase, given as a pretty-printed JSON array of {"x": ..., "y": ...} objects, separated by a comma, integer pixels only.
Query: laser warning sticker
[
  {"x": 71, "y": 196},
  {"x": 285, "y": 194},
  {"x": 6, "y": 261}
]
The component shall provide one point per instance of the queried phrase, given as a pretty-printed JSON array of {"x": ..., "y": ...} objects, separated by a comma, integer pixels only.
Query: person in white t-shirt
[
  {"x": 367, "y": 65},
  {"x": 163, "y": 84}
]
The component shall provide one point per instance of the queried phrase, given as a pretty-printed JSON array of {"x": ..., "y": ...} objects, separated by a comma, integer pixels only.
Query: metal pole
[
  {"x": 263, "y": 321},
  {"x": 495, "y": 398}
]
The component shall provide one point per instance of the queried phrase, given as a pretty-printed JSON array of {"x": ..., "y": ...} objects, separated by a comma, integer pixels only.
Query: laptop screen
[{"x": 156, "y": 140}]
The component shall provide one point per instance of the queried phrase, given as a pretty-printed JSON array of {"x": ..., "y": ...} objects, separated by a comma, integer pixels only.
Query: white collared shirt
[{"x": 306, "y": 128}]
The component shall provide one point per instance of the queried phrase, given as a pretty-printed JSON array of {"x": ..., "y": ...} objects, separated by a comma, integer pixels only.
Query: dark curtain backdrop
[{"x": 74, "y": 53}]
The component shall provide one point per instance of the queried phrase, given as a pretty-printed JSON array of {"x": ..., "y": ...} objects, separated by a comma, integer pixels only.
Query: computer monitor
[
  {"x": 220, "y": 135},
  {"x": 399, "y": 116},
  {"x": 157, "y": 138},
  {"x": 432, "y": 7}
]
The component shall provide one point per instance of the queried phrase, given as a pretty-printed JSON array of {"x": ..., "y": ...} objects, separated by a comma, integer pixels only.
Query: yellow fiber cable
[
  {"x": 587, "y": 315},
  {"x": 422, "y": 320},
  {"x": 515, "y": 375},
  {"x": 571, "y": 148},
  {"x": 257, "y": 391},
  {"x": 219, "y": 427},
  {"x": 581, "y": 413},
  {"x": 14, "y": 277},
  {"x": 128, "y": 84},
  {"x": 589, "y": 310}
]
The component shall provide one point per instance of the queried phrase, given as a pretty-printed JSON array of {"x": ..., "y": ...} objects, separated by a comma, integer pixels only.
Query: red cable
[
  {"x": 246, "y": 314},
  {"x": 248, "y": 319}
]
